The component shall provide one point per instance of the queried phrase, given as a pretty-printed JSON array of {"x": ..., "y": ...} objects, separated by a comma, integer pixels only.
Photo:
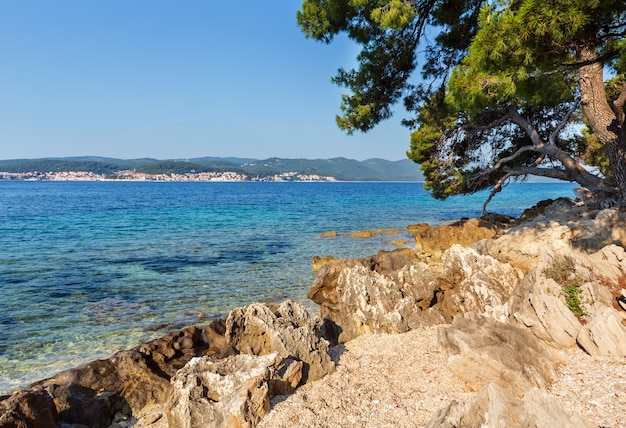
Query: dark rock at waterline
[
  {"x": 32, "y": 408},
  {"x": 93, "y": 394},
  {"x": 261, "y": 351}
]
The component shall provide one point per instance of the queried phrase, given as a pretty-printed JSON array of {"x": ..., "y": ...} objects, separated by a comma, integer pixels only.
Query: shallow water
[{"x": 88, "y": 268}]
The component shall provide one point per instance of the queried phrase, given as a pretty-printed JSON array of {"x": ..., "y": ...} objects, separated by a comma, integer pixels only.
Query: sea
[{"x": 90, "y": 268}]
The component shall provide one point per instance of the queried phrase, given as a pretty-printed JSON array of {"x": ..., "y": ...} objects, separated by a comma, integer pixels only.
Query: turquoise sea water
[{"x": 88, "y": 268}]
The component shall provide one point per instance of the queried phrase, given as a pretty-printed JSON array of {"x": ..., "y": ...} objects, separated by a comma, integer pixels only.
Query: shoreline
[{"x": 373, "y": 337}]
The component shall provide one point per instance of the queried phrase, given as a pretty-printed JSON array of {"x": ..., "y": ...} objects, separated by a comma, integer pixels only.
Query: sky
[{"x": 174, "y": 80}]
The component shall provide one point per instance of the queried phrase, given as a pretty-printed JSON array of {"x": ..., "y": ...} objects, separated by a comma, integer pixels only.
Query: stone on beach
[
  {"x": 435, "y": 240},
  {"x": 390, "y": 292},
  {"x": 288, "y": 329}
]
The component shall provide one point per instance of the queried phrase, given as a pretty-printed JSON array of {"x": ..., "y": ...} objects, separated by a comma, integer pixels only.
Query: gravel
[{"x": 402, "y": 380}]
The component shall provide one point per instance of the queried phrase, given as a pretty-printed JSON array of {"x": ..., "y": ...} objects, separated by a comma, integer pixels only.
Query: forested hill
[{"x": 340, "y": 168}]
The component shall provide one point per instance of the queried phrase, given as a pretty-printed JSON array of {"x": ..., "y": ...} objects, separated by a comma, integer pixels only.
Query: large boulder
[
  {"x": 477, "y": 283},
  {"x": 387, "y": 293},
  {"x": 483, "y": 350},
  {"x": 30, "y": 409},
  {"x": 598, "y": 229},
  {"x": 288, "y": 329},
  {"x": 535, "y": 305},
  {"x": 493, "y": 406},
  {"x": 231, "y": 392},
  {"x": 435, "y": 240},
  {"x": 561, "y": 231},
  {"x": 604, "y": 334},
  {"x": 605, "y": 270},
  {"x": 522, "y": 245}
]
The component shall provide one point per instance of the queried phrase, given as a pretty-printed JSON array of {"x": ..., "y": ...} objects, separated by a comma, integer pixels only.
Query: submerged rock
[{"x": 318, "y": 261}]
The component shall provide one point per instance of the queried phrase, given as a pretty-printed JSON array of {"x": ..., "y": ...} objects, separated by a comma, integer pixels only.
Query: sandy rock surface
[
  {"x": 380, "y": 381},
  {"x": 402, "y": 381},
  {"x": 595, "y": 387}
]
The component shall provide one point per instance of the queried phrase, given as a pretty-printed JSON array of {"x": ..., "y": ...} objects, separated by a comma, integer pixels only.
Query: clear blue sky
[{"x": 173, "y": 79}]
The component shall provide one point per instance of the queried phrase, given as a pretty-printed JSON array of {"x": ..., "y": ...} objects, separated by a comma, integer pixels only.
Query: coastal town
[{"x": 141, "y": 176}]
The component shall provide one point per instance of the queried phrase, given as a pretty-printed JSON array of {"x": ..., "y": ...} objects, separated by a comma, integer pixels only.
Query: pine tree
[{"x": 505, "y": 89}]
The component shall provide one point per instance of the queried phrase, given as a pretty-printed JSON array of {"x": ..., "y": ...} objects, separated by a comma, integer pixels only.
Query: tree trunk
[{"x": 602, "y": 120}]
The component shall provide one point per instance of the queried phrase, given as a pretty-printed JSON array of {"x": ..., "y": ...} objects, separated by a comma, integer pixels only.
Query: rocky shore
[{"x": 485, "y": 322}]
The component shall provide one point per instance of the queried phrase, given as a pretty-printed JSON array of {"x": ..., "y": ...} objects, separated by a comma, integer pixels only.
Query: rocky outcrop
[
  {"x": 231, "y": 392},
  {"x": 435, "y": 240},
  {"x": 561, "y": 231},
  {"x": 32, "y": 408},
  {"x": 476, "y": 283},
  {"x": 388, "y": 293},
  {"x": 535, "y": 305},
  {"x": 288, "y": 329},
  {"x": 96, "y": 393},
  {"x": 483, "y": 350},
  {"x": 494, "y": 406},
  {"x": 604, "y": 334}
]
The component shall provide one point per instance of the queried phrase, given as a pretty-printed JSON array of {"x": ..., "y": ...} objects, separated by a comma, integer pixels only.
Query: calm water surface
[{"x": 88, "y": 268}]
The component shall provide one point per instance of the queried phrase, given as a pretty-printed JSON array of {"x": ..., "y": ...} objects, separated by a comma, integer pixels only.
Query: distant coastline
[
  {"x": 208, "y": 169},
  {"x": 227, "y": 176}
]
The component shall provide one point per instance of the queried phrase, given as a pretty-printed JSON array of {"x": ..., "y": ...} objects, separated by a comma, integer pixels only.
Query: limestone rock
[
  {"x": 522, "y": 245},
  {"x": 173, "y": 351},
  {"x": 483, "y": 350},
  {"x": 536, "y": 306},
  {"x": 561, "y": 231},
  {"x": 606, "y": 268},
  {"x": 231, "y": 392},
  {"x": 92, "y": 394},
  {"x": 388, "y": 293},
  {"x": 364, "y": 234},
  {"x": 96, "y": 393},
  {"x": 437, "y": 239},
  {"x": 494, "y": 406},
  {"x": 605, "y": 334},
  {"x": 591, "y": 233},
  {"x": 288, "y": 329},
  {"x": 478, "y": 283},
  {"x": 31, "y": 408},
  {"x": 551, "y": 208}
]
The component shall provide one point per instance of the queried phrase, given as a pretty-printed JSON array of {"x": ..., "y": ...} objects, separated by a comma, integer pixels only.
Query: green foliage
[
  {"x": 389, "y": 32},
  {"x": 488, "y": 59},
  {"x": 395, "y": 14},
  {"x": 173, "y": 167},
  {"x": 563, "y": 272},
  {"x": 58, "y": 165}
]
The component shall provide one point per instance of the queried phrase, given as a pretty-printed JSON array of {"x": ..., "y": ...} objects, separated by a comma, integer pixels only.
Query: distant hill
[{"x": 340, "y": 168}]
